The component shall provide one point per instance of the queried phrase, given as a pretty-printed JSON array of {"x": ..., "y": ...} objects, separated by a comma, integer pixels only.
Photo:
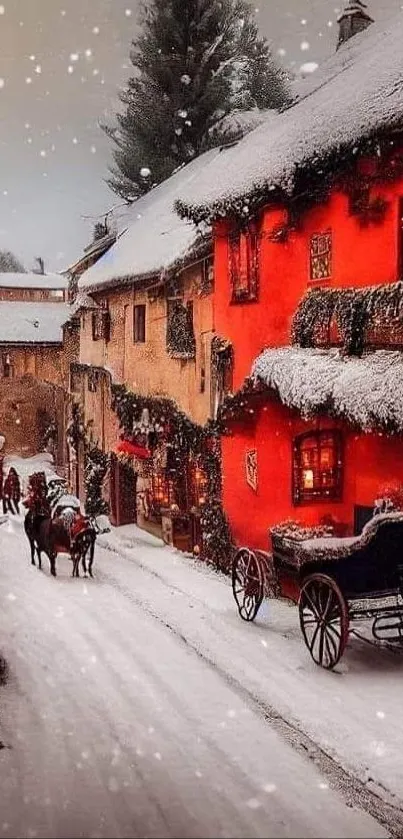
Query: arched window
[{"x": 317, "y": 467}]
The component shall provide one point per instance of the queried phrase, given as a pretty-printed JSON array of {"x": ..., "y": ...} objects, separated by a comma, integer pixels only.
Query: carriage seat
[{"x": 339, "y": 548}]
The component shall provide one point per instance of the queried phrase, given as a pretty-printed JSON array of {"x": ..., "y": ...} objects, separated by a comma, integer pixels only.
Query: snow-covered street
[{"x": 138, "y": 704}]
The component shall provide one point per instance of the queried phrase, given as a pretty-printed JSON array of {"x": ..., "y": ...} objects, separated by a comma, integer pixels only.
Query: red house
[{"x": 307, "y": 213}]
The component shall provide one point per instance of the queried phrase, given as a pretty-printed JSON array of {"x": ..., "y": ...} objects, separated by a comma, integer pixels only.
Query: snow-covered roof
[
  {"x": 32, "y": 323},
  {"x": 367, "y": 391},
  {"x": 51, "y": 282},
  {"x": 355, "y": 95},
  {"x": 239, "y": 123},
  {"x": 154, "y": 238}
]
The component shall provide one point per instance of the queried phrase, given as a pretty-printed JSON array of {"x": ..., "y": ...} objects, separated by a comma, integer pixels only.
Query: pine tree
[
  {"x": 9, "y": 264},
  {"x": 195, "y": 62}
]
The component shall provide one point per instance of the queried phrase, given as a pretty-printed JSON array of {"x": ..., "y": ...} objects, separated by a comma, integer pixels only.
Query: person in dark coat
[
  {"x": 11, "y": 492},
  {"x": 36, "y": 500}
]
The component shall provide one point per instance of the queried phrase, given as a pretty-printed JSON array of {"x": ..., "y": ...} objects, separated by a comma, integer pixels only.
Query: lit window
[
  {"x": 321, "y": 256},
  {"x": 317, "y": 467}
]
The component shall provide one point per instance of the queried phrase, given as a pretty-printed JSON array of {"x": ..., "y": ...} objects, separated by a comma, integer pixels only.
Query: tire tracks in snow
[{"x": 377, "y": 802}]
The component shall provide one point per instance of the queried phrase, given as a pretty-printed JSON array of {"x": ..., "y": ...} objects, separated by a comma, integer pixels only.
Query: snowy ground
[{"x": 138, "y": 704}]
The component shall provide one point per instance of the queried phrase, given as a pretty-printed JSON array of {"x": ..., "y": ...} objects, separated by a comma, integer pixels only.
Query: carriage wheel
[
  {"x": 324, "y": 619},
  {"x": 247, "y": 583}
]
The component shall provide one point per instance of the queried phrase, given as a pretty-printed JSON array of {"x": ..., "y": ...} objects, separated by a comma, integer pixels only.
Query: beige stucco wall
[{"x": 147, "y": 368}]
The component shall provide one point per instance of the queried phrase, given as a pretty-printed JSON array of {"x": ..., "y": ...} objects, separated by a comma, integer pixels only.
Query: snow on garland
[
  {"x": 367, "y": 391},
  {"x": 354, "y": 310}
]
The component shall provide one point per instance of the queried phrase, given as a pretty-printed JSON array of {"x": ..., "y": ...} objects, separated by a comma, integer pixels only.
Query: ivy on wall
[{"x": 95, "y": 460}]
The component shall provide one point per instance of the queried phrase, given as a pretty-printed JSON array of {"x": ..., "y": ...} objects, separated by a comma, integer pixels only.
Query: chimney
[{"x": 353, "y": 19}]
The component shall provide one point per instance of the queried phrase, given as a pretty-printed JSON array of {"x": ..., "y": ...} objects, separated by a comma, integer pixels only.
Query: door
[{"x": 123, "y": 493}]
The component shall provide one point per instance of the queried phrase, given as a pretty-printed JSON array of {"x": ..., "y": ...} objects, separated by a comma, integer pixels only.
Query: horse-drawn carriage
[
  {"x": 334, "y": 581},
  {"x": 55, "y": 525}
]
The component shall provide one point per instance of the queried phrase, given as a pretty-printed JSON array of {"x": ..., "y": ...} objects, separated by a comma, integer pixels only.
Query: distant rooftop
[
  {"x": 32, "y": 323},
  {"x": 51, "y": 282}
]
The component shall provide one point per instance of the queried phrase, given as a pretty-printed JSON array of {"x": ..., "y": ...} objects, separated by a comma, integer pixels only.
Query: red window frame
[{"x": 317, "y": 466}]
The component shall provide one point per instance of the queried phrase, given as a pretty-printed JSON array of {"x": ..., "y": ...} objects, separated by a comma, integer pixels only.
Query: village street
[{"x": 138, "y": 704}]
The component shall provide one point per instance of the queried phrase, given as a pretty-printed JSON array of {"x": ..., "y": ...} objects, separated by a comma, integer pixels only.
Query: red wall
[
  {"x": 361, "y": 256},
  {"x": 370, "y": 461}
]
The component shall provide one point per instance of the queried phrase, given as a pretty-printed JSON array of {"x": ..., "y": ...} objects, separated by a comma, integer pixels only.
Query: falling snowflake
[
  {"x": 128, "y": 12},
  {"x": 75, "y": 141},
  {"x": 2, "y": 83},
  {"x": 96, "y": 30},
  {"x": 93, "y": 150},
  {"x": 43, "y": 153},
  {"x": 269, "y": 788},
  {"x": 63, "y": 12},
  {"x": 145, "y": 172},
  {"x": 95, "y": 72},
  {"x": 305, "y": 45},
  {"x": 32, "y": 57},
  {"x": 74, "y": 56},
  {"x": 308, "y": 67},
  {"x": 2, "y": 10},
  {"x": 88, "y": 53},
  {"x": 11, "y": 596},
  {"x": 304, "y": 21},
  {"x": 185, "y": 79},
  {"x": 380, "y": 715},
  {"x": 158, "y": 756},
  {"x": 28, "y": 80},
  {"x": 253, "y": 804},
  {"x": 281, "y": 52},
  {"x": 70, "y": 69},
  {"x": 38, "y": 69}
]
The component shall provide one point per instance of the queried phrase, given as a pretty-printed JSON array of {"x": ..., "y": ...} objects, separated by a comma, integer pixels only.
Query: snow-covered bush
[{"x": 291, "y": 529}]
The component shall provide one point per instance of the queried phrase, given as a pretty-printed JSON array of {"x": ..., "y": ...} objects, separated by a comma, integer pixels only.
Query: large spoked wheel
[
  {"x": 247, "y": 583},
  {"x": 324, "y": 619}
]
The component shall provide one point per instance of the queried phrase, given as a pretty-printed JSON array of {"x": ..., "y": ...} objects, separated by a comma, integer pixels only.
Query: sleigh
[{"x": 334, "y": 581}]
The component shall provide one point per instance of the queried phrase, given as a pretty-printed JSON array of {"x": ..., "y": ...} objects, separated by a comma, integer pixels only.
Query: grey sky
[{"x": 61, "y": 63}]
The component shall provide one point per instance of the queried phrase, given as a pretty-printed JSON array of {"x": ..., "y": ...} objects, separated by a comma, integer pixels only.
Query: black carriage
[{"x": 334, "y": 581}]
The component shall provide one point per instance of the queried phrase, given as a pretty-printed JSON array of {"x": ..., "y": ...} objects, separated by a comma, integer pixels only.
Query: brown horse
[{"x": 52, "y": 537}]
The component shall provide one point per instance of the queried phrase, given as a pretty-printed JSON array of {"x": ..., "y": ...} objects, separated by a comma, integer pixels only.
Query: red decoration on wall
[{"x": 125, "y": 447}]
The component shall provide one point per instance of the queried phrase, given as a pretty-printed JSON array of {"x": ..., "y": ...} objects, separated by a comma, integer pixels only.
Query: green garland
[
  {"x": 186, "y": 437},
  {"x": 239, "y": 405},
  {"x": 96, "y": 462},
  {"x": 217, "y": 547},
  {"x": 353, "y": 309},
  {"x": 180, "y": 335},
  {"x": 76, "y": 429},
  {"x": 96, "y": 467}
]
